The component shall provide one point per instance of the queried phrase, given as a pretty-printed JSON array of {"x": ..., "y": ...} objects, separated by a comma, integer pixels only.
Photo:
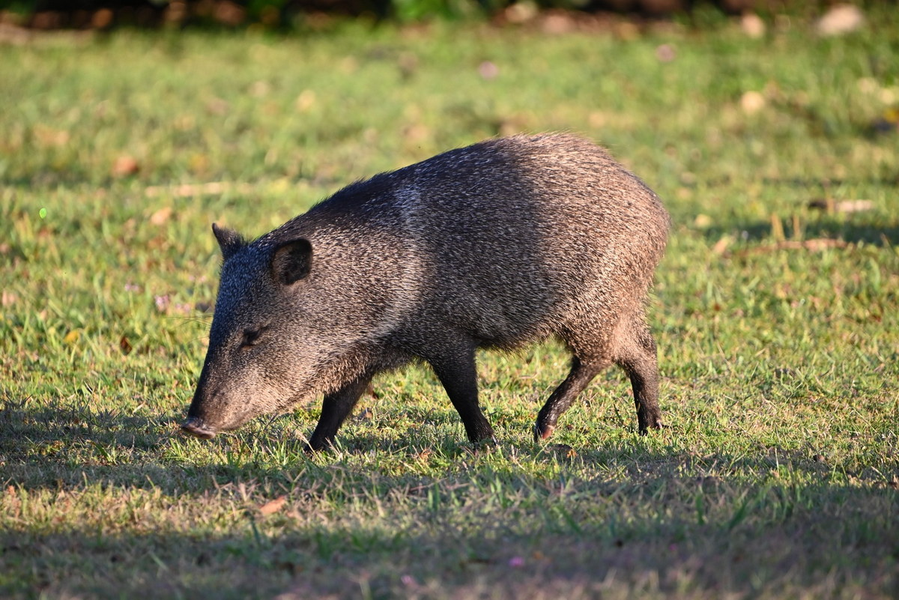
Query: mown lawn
[{"x": 775, "y": 311}]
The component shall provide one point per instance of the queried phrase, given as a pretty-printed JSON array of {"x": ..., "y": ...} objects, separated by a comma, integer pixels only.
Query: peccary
[{"x": 501, "y": 243}]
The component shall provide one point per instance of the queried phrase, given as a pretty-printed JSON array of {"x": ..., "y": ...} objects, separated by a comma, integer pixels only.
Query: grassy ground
[{"x": 777, "y": 477}]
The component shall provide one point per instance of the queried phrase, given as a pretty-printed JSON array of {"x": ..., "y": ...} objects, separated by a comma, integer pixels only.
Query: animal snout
[{"x": 196, "y": 427}]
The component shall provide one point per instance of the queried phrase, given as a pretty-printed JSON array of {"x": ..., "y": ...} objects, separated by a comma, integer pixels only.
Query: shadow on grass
[
  {"x": 853, "y": 228},
  {"x": 793, "y": 555},
  {"x": 43, "y": 448},
  {"x": 493, "y": 530},
  {"x": 852, "y": 232}
]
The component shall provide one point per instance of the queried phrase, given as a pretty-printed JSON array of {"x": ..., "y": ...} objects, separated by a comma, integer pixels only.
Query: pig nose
[{"x": 196, "y": 427}]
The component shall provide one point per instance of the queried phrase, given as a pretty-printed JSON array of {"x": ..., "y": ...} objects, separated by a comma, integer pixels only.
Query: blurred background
[
  {"x": 768, "y": 128},
  {"x": 104, "y": 14}
]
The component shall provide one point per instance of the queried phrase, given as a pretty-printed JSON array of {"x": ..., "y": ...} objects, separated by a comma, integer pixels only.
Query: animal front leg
[
  {"x": 458, "y": 374},
  {"x": 638, "y": 359},
  {"x": 335, "y": 409}
]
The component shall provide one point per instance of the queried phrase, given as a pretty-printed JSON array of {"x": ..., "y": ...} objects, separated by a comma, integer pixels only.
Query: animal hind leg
[
  {"x": 638, "y": 359},
  {"x": 580, "y": 376}
]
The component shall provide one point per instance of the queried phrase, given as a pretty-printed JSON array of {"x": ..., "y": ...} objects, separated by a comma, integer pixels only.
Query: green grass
[{"x": 777, "y": 476}]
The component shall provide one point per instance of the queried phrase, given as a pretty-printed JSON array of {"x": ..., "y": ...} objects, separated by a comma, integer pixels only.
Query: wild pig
[{"x": 496, "y": 245}]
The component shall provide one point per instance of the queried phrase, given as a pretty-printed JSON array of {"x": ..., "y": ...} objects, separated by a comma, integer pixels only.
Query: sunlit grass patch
[{"x": 774, "y": 312}]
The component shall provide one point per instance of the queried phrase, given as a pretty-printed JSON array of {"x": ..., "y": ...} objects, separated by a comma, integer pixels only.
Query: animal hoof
[
  {"x": 543, "y": 433},
  {"x": 197, "y": 428}
]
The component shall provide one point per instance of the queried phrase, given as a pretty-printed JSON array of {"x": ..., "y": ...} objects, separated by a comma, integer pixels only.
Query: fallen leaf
[
  {"x": 125, "y": 345},
  {"x": 721, "y": 245},
  {"x": 272, "y": 506},
  {"x": 752, "y": 102},
  {"x": 125, "y": 165},
  {"x": 161, "y": 216},
  {"x": 841, "y": 19},
  {"x": 752, "y": 25}
]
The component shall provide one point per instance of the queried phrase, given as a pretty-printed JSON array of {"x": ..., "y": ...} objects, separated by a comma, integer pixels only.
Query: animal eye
[{"x": 251, "y": 337}]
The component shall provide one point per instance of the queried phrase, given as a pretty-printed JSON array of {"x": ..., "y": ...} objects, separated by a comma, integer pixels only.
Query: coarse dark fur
[{"x": 495, "y": 245}]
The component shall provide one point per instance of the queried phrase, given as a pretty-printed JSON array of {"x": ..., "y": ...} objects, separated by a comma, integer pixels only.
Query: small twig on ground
[
  {"x": 815, "y": 245},
  {"x": 197, "y": 189}
]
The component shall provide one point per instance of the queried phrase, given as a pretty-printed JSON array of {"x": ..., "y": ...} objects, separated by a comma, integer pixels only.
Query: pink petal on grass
[{"x": 488, "y": 70}]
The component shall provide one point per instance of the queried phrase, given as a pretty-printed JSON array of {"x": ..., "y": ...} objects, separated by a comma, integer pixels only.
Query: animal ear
[
  {"x": 292, "y": 261},
  {"x": 229, "y": 240}
]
